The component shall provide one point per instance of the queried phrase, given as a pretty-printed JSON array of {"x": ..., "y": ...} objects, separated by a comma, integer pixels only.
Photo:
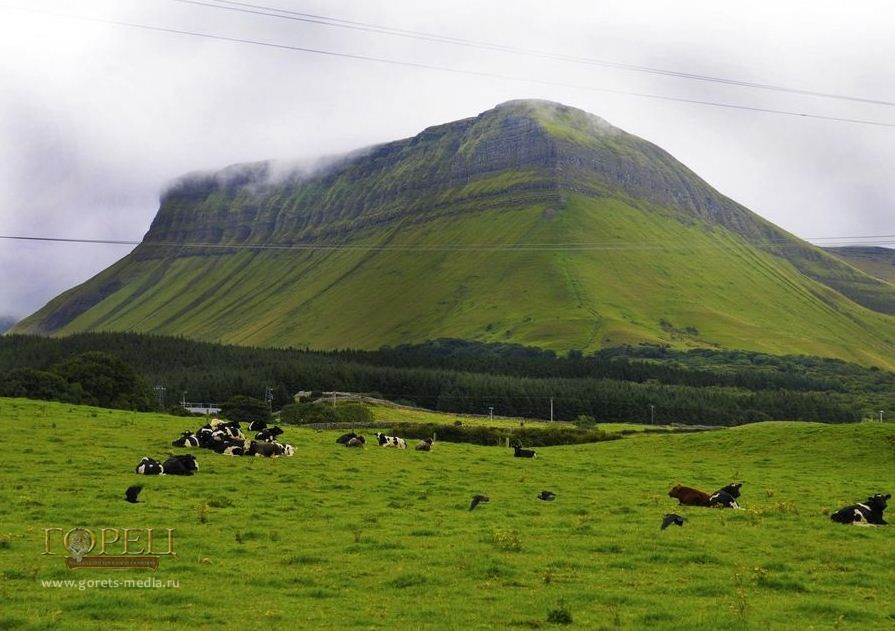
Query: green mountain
[
  {"x": 533, "y": 223},
  {"x": 878, "y": 262}
]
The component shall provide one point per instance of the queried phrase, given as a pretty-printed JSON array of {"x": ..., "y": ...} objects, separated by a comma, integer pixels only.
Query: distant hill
[
  {"x": 533, "y": 223},
  {"x": 6, "y": 323},
  {"x": 878, "y": 262}
]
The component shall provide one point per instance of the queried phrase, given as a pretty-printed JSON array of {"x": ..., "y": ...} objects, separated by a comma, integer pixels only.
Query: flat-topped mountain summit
[{"x": 532, "y": 222}]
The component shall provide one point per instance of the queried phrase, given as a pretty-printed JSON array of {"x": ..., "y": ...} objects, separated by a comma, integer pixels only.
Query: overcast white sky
[{"x": 96, "y": 119}]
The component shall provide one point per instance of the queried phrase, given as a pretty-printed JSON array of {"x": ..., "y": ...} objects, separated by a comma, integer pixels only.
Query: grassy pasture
[{"x": 383, "y": 539}]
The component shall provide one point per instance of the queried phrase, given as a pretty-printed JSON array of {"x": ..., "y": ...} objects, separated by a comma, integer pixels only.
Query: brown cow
[{"x": 689, "y": 497}]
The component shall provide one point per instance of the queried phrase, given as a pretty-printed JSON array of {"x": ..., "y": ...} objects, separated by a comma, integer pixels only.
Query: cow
[
  {"x": 234, "y": 450},
  {"x": 181, "y": 465},
  {"x": 518, "y": 452},
  {"x": 187, "y": 439},
  {"x": 424, "y": 445},
  {"x": 233, "y": 429},
  {"x": 357, "y": 441},
  {"x": 263, "y": 449},
  {"x": 867, "y": 513},
  {"x": 148, "y": 466},
  {"x": 726, "y": 497},
  {"x": 689, "y": 496},
  {"x": 723, "y": 499},
  {"x": 344, "y": 438},
  {"x": 390, "y": 441},
  {"x": 269, "y": 434},
  {"x": 732, "y": 489},
  {"x": 222, "y": 446},
  {"x": 257, "y": 426}
]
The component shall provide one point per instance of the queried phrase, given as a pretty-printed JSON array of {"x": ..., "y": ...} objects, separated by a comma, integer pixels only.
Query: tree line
[{"x": 639, "y": 383}]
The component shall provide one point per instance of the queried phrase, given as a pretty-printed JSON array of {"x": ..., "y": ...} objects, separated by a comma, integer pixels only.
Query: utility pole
[
  {"x": 160, "y": 396},
  {"x": 652, "y": 414},
  {"x": 491, "y": 412},
  {"x": 183, "y": 400},
  {"x": 268, "y": 396},
  {"x": 881, "y": 416},
  {"x": 551, "y": 409}
]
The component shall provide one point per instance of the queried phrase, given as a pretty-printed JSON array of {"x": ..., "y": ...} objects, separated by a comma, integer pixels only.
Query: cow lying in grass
[
  {"x": 148, "y": 466},
  {"x": 268, "y": 450},
  {"x": 518, "y": 452},
  {"x": 181, "y": 465},
  {"x": 424, "y": 445},
  {"x": 391, "y": 441},
  {"x": 726, "y": 497},
  {"x": 867, "y": 513},
  {"x": 688, "y": 496},
  {"x": 344, "y": 438},
  {"x": 268, "y": 435}
]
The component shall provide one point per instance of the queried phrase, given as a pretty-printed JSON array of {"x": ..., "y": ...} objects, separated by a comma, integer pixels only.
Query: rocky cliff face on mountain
[{"x": 532, "y": 222}]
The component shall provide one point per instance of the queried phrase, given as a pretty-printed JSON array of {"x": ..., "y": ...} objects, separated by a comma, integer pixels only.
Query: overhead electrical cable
[
  {"x": 881, "y": 240},
  {"x": 310, "y": 18},
  {"x": 476, "y": 73}
]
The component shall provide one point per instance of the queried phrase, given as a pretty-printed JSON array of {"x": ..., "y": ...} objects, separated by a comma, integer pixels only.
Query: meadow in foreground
[{"x": 378, "y": 538}]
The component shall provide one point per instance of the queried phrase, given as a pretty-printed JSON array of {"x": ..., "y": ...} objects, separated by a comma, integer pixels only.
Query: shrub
[
  {"x": 243, "y": 408},
  {"x": 562, "y": 614},
  {"x": 303, "y": 413}
]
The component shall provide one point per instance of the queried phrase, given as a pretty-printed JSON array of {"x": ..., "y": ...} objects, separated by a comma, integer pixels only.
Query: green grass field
[{"x": 383, "y": 539}]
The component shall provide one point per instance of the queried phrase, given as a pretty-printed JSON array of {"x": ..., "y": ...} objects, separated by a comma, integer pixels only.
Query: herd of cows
[
  {"x": 222, "y": 437},
  {"x": 866, "y": 513},
  {"x": 226, "y": 437}
]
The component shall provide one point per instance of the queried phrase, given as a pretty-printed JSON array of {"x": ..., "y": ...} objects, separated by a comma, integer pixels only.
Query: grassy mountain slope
[
  {"x": 877, "y": 262},
  {"x": 532, "y": 223}
]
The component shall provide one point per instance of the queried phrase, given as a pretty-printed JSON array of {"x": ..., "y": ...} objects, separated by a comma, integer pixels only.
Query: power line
[
  {"x": 476, "y": 73},
  {"x": 310, "y": 18},
  {"x": 880, "y": 240}
]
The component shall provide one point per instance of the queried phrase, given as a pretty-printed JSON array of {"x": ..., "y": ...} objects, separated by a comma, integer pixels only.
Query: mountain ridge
[{"x": 532, "y": 222}]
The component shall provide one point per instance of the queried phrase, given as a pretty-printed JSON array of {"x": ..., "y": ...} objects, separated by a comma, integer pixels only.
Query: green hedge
[
  {"x": 303, "y": 413},
  {"x": 497, "y": 436}
]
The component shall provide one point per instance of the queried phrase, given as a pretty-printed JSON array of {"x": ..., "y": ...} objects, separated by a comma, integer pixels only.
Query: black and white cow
[
  {"x": 233, "y": 429},
  {"x": 257, "y": 426},
  {"x": 269, "y": 435},
  {"x": 867, "y": 513},
  {"x": 344, "y": 438},
  {"x": 518, "y": 452},
  {"x": 356, "y": 441},
  {"x": 390, "y": 441},
  {"x": 187, "y": 439},
  {"x": 726, "y": 497},
  {"x": 181, "y": 465},
  {"x": 223, "y": 445},
  {"x": 148, "y": 466},
  {"x": 723, "y": 499},
  {"x": 234, "y": 450}
]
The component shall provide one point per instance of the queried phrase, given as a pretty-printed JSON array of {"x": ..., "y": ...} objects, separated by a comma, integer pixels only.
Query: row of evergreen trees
[{"x": 637, "y": 384}]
